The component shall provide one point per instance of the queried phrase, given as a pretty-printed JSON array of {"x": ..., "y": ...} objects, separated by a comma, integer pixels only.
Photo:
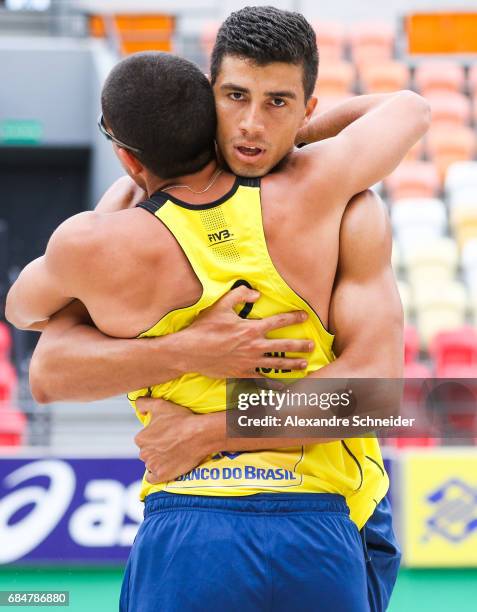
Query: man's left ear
[
  {"x": 129, "y": 161},
  {"x": 310, "y": 109}
]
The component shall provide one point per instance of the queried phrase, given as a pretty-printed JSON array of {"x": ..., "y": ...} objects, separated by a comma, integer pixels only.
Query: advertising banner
[
  {"x": 82, "y": 511},
  {"x": 57, "y": 511},
  {"x": 438, "y": 499}
]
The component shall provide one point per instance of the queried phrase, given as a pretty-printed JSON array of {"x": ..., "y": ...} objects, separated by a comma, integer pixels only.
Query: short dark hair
[
  {"x": 163, "y": 105},
  {"x": 265, "y": 34}
]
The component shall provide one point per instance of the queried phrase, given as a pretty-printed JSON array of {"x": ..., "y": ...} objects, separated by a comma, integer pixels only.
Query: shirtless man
[{"x": 409, "y": 115}]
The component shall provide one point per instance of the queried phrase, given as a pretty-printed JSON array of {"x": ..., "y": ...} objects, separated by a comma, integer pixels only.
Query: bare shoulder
[
  {"x": 93, "y": 228},
  {"x": 309, "y": 157},
  {"x": 75, "y": 234},
  {"x": 308, "y": 172},
  {"x": 320, "y": 168},
  {"x": 89, "y": 235}
]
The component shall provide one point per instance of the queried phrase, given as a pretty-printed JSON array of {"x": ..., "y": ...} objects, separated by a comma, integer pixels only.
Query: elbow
[
  {"x": 39, "y": 379},
  {"x": 10, "y": 315}
]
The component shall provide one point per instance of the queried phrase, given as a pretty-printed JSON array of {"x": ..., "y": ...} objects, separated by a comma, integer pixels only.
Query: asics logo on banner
[
  {"x": 49, "y": 505},
  {"x": 218, "y": 237},
  {"x": 454, "y": 506},
  {"x": 31, "y": 509}
]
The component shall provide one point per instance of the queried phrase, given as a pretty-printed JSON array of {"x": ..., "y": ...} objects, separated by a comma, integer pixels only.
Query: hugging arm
[
  {"x": 364, "y": 138},
  {"x": 75, "y": 361}
]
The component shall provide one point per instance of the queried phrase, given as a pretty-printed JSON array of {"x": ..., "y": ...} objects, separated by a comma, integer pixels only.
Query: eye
[
  {"x": 278, "y": 102},
  {"x": 236, "y": 95}
]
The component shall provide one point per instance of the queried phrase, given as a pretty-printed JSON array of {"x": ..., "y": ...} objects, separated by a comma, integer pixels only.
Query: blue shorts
[
  {"x": 260, "y": 553},
  {"x": 383, "y": 556}
]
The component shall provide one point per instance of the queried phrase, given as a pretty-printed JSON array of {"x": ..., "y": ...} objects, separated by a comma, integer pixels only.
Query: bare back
[{"x": 140, "y": 272}]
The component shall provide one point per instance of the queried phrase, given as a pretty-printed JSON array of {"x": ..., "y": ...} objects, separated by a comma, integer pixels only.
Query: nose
[{"x": 251, "y": 123}]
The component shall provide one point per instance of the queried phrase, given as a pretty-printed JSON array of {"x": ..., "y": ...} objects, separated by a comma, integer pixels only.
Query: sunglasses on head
[{"x": 109, "y": 136}]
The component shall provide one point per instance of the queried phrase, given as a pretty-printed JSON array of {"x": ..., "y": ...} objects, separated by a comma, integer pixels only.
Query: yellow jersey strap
[{"x": 159, "y": 198}]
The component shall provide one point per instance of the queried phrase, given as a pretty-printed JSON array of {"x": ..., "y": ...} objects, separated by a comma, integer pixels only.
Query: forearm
[
  {"x": 39, "y": 326},
  {"x": 335, "y": 120},
  {"x": 86, "y": 365},
  {"x": 122, "y": 194},
  {"x": 213, "y": 430}
]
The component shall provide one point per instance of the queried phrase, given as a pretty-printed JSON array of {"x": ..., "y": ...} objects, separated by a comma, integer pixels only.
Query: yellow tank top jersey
[{"x": 225, "y": 243}]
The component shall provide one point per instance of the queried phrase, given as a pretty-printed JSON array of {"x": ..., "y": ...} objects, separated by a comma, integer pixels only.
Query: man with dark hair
[
  {"x": 176, "y": 141},
  {"x": 265, "y": 104},
  {"x": 265, "y": 34}
]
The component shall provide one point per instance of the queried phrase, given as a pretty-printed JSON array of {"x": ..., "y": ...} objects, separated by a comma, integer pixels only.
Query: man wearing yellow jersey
[{"x": 272, "y": 190}]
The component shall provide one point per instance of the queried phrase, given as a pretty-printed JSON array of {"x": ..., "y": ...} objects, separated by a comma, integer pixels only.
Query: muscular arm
[
  {"x": 365, "y": 312},
  {"x": 51, "y": 282},
  {"x": 75, "y": 361},
  {"x": 39, "y": 290},
  {"x": 364, "y": 138}
]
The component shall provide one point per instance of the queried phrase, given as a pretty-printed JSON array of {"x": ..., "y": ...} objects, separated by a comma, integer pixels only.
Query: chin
[{"x": 250, "y": 172}]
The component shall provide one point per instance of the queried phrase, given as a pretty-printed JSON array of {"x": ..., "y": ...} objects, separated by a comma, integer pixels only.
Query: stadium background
[{"x": 68, "y": 484}]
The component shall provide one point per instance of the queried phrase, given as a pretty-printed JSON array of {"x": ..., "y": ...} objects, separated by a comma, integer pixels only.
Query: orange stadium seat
[
  {"x": 442, "y": 31},
  {"x": 335, "y": 78},
  {"x": 371, "y": 41},
  {"x": 385, "y": 76},
  {"x": 413, "y": 179},
  {"x": 436, "y": 75},
  {"x": 449, "y": 107},
  {"x": 446, "y": 145},
  {"x": 331, "y": 40},
  {"x": 143, "y": 32},
  {"x": 97, "y": 27}
]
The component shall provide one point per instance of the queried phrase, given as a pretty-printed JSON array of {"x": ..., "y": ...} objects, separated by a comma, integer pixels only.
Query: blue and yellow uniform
[{"x": 225, "y": 244}]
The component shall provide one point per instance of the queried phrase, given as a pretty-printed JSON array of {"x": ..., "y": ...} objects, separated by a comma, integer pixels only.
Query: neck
[{"x": 196, "y": 181}]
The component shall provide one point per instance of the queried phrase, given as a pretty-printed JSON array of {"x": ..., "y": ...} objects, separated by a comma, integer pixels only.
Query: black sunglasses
[{"x": 104, "y": 131}]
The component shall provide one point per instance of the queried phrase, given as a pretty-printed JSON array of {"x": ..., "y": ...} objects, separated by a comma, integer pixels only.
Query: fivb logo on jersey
[{"x": 219, "y": 237}]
